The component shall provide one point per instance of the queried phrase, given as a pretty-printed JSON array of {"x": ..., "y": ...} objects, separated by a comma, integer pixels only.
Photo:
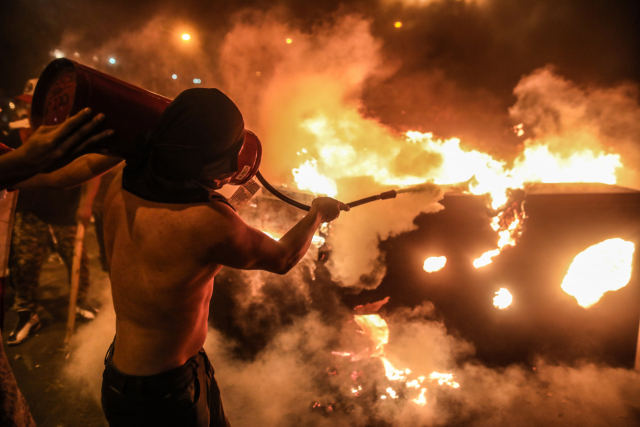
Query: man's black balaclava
[{"x": 198, "y": 138}]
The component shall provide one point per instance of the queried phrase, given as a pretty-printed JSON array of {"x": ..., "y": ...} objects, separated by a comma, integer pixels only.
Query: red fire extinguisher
[{"x": 66, "y": 87}]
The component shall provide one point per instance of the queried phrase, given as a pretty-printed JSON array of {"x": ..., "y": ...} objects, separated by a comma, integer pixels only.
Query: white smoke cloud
[
  {"x": 297, "y": 370},
  {"x": 149, "y": 56},
  {"x": 321, "y": 73},
  {"x": 91, "y": 341},
  {"x": 304, "y": 96},
  {"x": 568, "y": 117}
]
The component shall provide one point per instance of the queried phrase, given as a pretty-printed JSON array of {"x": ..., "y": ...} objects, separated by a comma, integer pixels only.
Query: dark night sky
[{"x": 482, "y": 47}]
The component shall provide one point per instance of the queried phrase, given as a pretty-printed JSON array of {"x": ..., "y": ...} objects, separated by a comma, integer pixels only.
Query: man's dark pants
[{"x": 185, "y": 396}]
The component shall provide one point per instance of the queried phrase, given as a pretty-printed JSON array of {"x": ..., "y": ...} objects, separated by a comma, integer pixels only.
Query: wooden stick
[{"x": 75, "y": 281}]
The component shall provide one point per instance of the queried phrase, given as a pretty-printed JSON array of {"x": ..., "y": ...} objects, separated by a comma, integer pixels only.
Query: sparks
[{"x": 444, "y": 379}]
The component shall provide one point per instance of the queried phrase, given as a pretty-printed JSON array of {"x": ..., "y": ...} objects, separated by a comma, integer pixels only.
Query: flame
[
  {"x": 600, "y": 268},
  {"x": 376, "y": 328},
  {"x": 349, "y": 145},
  {"x": 503, "y": 299},
  {"x": 421, "y": 400},
  {"x": 392, "y": 373},
  {"x": 308, "y": 178},
  {"x": 535, "y": 164},
  {"x": 434, "y": 263},
  {"x": 444, "y": 379},
  {"x": 508, "y": 225},
  {"x": 485, "y": 259}
]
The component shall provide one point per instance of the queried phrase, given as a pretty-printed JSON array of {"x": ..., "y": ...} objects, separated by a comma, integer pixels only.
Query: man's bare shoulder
[{"x": 212, "y": 219}]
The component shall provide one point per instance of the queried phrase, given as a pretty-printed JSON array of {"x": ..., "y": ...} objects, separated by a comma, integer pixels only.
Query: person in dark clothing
[
  {"x": 49, "y": 148},
  {"x": 45, "y": 218}
]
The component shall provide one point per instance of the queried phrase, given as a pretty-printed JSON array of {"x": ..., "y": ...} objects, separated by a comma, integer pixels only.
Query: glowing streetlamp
[
  {"x": 289, "y": 41},
  {"x": 112, "y": 61},
  {"x": 398, "y": 24},
  {"x": 186, "y": 37}
]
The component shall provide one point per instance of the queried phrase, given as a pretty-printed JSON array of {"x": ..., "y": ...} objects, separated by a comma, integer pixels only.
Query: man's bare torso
[
  {"x": 161, "y": 277},
  {"x": 163, "y": 258}
]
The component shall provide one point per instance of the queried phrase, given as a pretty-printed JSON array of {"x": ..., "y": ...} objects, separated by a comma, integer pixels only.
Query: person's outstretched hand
[
  {"x": 328, "y": 208},
  {"x": 51, "y": 147}
]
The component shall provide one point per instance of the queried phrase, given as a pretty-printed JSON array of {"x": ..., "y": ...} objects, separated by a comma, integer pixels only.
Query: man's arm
[
  {"x": 52, "y": 147},
  {"x": 249, "y": 249},
  {"x": 75, "y": 173}
]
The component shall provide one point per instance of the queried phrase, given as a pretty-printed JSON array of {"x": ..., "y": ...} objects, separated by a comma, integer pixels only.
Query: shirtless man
[{"x": 167, "y": 234}]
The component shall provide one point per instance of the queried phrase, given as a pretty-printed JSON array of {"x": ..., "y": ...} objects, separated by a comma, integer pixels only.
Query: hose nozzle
[{"x": 391, "y": 194}]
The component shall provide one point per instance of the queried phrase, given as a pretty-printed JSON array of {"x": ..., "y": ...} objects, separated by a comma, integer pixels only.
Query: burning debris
[{"x": 399, "y": 383}]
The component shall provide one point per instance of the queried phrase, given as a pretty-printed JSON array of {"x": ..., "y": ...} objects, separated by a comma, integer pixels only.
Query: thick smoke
[
  {"x": 302, "y": 91},
  {"x": 304, "y": 100},
  {"x": 296, "y": 370},
  {"x": 148, "y": 57},
  {"x": 304, "y": 97},
  {"x": 308, "y": 94},
  {"x": 90, "y": 343},
  {"x": 569, "y": 118}
]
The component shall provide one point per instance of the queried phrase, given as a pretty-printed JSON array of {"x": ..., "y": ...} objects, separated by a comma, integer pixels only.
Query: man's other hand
[
  {"x": 51, "y": 147},
  {"x": 327, "y": 208}
]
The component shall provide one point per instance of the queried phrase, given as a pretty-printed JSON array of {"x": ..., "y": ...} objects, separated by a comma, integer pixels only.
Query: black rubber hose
[
  {"x": 281, "y": 196},
  {"x": 382, "y": 196}
]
